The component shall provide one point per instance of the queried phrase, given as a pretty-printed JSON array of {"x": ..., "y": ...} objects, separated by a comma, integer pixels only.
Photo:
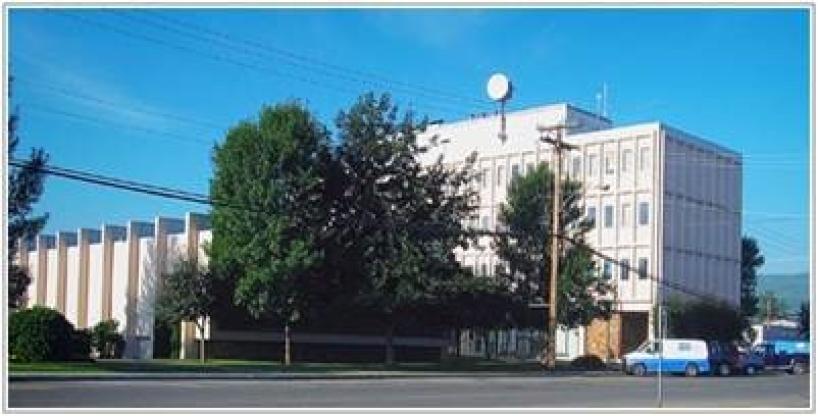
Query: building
[{"x": 664, "y": 201}]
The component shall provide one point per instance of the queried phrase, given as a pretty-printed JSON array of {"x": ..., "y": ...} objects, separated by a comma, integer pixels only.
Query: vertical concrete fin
[
  {"x": 110, "y": 234},
  {"x": 64, "y": 240}
]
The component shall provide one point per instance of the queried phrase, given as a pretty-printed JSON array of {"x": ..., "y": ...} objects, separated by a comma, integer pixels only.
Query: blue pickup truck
[{"x": 789, "y": 355}]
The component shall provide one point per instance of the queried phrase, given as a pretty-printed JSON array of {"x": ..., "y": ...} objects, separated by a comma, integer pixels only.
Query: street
[{"x": 767, "y": 391}]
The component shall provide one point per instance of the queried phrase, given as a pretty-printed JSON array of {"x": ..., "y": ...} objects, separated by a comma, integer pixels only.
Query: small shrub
[
  {"x": 588, "y": 362},
  {"x": 40, "y": 334},
  {"x": 106, "y": 341},
  {"x": 81, "y": 345}
]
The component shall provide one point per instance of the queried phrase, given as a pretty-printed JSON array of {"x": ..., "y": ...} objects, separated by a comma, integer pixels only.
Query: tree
[
  {"x": 25, "y": 186},
  {"x": 526, "y": 219},
  {"x": 771, "y": 306},
  {"x": 706, "y": 319},
  {"x": 269, "y": 179},
  {"x": 187, "y": 294},
  {"x": 751, "y": 260},
  {"x": 106, "y": 340},
  {"x": 803, "y": 319},
  {"x": 396, "y": 222}
]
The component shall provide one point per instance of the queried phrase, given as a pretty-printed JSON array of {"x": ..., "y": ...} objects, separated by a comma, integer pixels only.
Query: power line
[
  {"x": 313, "y": 63},
  {"x": 118, "y": 106},
  {"x": 80, "y": 117},
  {"x": 181, "y": 195},
  {"x": 263, "y": 69}
]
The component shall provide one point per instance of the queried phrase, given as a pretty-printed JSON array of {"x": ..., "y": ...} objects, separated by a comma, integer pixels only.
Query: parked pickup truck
[{"x": 792, "y": 356}]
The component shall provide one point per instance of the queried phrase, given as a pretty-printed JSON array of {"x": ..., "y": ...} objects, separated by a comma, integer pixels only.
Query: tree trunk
[
  {"x": 457, "y": 342},
  {"x": 287, "y": 344},
  {"x": 201, "y": 342},
  {"x": 390, "y": 347}
]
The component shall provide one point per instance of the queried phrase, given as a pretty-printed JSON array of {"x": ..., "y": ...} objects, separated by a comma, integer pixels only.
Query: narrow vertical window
[
  {"x": 643, "y": 268},
  {"x": 591, "y": 215},
  {"x": 484, "y": 178},
  {"x": 577, "y": 167},
  {"x": 644, "y": 155},
  {"x": 627, "y": 155},
  {"x": 626, "y": 215},
  {"x": 608, "y": 220},
  {"x": 591, "y": 165},
  {"x": 624, "y": 269},
  {"x": 515, "y": 171},
  {"x": 609, "y": 163},
  {"x": 644, "y": 213},
  {"x": 499, "y": 176},
  {"x": 607, "y": 270},
  {"x": 529, "y": 168}
]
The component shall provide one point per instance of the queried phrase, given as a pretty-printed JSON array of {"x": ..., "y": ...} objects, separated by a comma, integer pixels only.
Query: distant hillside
[{"x": 792, "y": 288}]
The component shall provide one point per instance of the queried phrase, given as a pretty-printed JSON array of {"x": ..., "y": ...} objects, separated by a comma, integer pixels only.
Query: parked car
[
  {"x": 675, "y": 356},
  {"x": 792, "y": 356},
  {"x": 726, "y": 359}
]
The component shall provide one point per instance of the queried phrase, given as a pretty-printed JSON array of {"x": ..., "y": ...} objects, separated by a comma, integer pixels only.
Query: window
[
  {"x": 643, "y": 268},
  {"x": 499, "y": 175},
  {"x": 498, "y": 269},
  {"x": 515, "y": 171},
  {"x": 627, "y": 155},
  {"x": 624, "y": 269},
  {"x": 608, "y": 220},
  {"x": 484, "y": 178},
  {"x": 484, "y": 269},
  {"x": 486, "y": 222},
  {"x": 577, "y": 167},
  {"x": 644, "y": 154},
  {"x": 591, "y": 165},
  {"x": 609, "y": 163},
  {"x": 607, "y": 270},
  {"x": 684, "y": 346},
  {"x": 529, "y": 168},
  {"x": 591, "y": 215},
  {"x": 643, "y": 213},
  {"x": 626, "y": 215}
]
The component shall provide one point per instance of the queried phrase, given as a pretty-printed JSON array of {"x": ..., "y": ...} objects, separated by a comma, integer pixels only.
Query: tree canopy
[
  {"x": 526, "y": 219},
  {"x": 270, "y": 171},
  {"x": 751, "y": 260},
  {"x": 25, "y": 186}
]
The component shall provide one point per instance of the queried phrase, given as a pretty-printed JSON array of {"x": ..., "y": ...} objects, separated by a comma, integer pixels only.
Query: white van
[{"x": 683, "y": 356}]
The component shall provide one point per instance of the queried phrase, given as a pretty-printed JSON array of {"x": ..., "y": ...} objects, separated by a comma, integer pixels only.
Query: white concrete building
[{"x": 664, "y": 201}]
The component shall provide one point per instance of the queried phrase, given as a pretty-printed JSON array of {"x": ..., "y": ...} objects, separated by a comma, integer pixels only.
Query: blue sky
[{"x": 144, "y": 94}]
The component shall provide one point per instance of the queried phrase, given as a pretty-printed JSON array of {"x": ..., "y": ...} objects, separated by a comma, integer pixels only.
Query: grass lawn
[{"x": 244, "y": 366}]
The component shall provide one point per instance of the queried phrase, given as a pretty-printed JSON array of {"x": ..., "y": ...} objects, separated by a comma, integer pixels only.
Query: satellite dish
[{"x": 499, "y": 87}]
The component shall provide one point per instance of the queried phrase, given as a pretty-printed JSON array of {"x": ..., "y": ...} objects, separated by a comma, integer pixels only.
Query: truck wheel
[
  {"x": 797, "y": 368},
  {"x": 639, "y": 370},
  {"x": 750, "y": 370},
  {"x": 691, "y": 370},
  {"x": 724, "y": 369}
]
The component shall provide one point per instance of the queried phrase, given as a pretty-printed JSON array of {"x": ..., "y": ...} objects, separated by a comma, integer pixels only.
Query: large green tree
[
  {"x": 187, "y": 293},
  {"x": 25, "y": 186},
  {"x": 705, "y": 319},
  {"x": 751, "y": 260},
  {"x": 526, "y": 221},
  {"x": 397, "y": 222},
  {"x": 269, "y": 215}
]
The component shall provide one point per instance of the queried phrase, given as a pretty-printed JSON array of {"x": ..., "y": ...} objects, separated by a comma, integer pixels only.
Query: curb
[{"x": 291, "y": 376}]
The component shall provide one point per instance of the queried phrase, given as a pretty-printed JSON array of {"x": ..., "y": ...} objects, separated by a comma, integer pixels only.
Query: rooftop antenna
[{"x": 499, "y": 90}]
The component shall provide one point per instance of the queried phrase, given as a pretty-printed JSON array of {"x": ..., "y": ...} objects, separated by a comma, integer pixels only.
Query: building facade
[{"x": 663, "y": 201}]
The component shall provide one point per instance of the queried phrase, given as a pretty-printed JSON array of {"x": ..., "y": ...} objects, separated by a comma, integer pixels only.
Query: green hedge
[{"x": 41, "y": 334}]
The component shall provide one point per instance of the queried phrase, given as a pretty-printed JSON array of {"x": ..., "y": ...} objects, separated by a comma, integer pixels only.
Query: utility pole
[{"x": 558, "y": 145}]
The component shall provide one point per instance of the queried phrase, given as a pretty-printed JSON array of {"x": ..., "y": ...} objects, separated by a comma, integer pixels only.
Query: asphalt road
[{"x": 768, "y": 390}]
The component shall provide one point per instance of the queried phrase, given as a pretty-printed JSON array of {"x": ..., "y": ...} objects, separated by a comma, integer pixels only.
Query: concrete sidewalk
[{"x": 333, "y": 375}]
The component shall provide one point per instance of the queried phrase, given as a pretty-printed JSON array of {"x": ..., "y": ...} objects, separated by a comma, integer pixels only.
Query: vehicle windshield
[{"x": 648, "y": 347}]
